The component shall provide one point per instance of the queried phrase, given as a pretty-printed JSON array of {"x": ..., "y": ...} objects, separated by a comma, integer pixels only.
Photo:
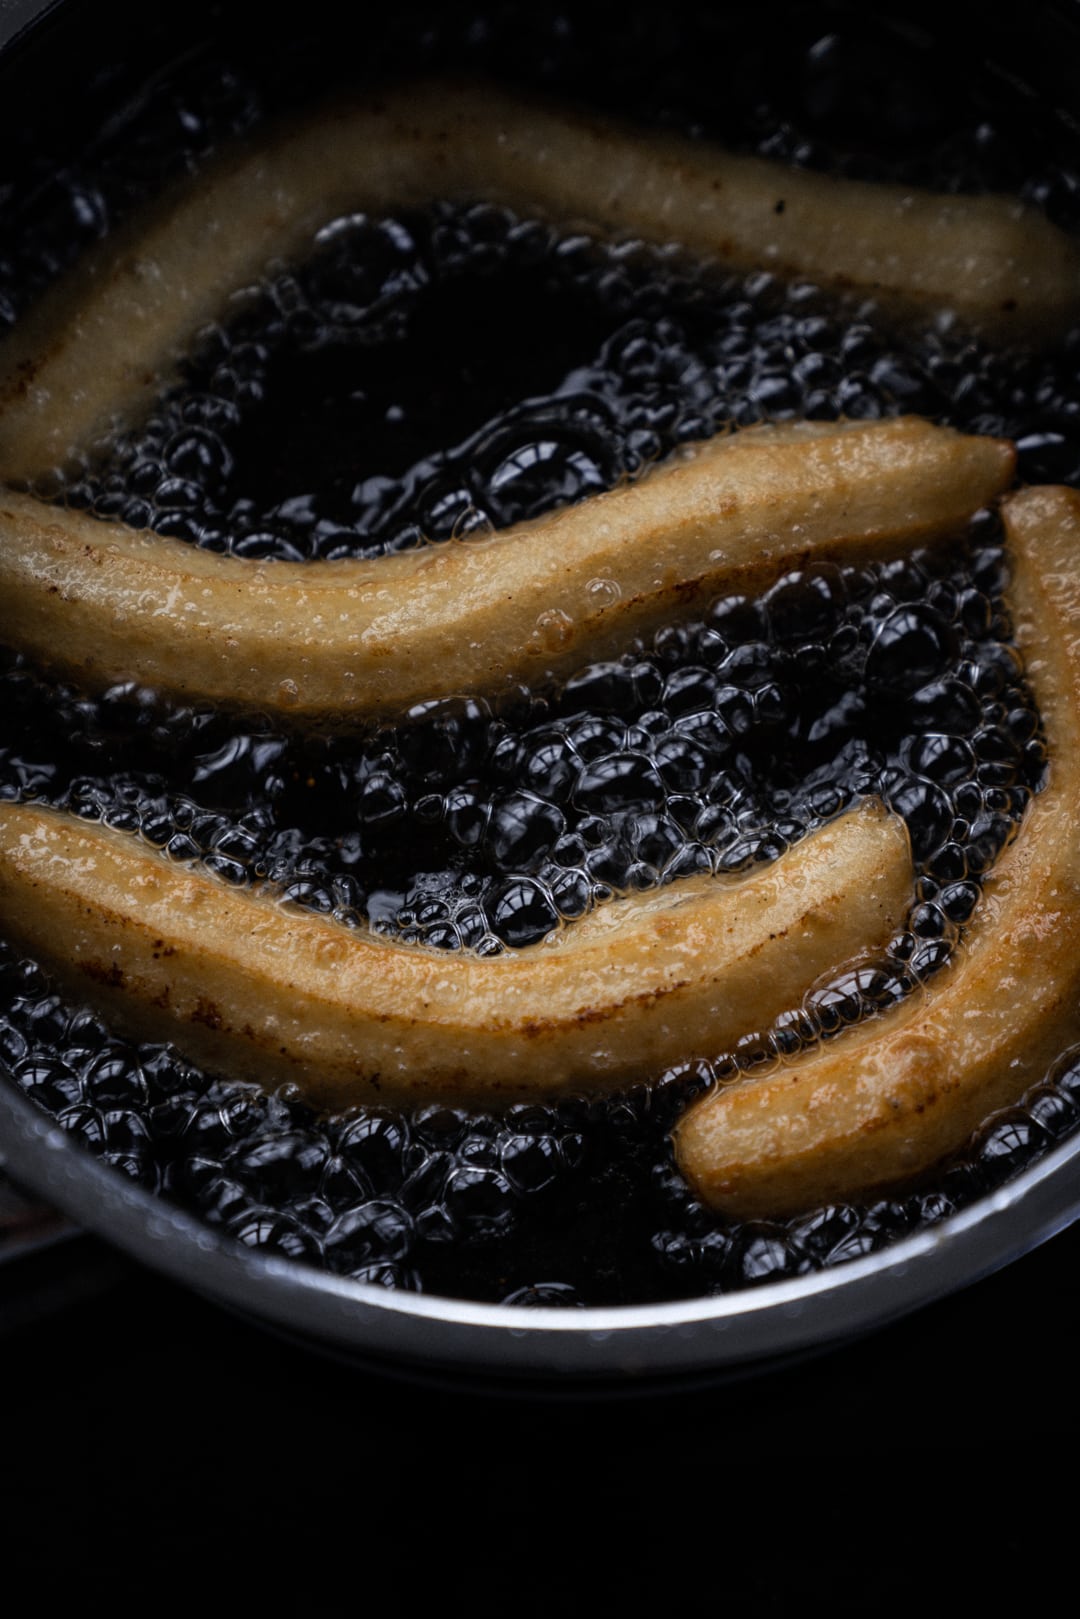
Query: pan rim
[{"x": 724, "y": 1332}]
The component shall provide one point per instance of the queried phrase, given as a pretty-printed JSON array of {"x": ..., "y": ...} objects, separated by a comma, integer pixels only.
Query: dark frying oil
[{"x": 431, "y": 374}]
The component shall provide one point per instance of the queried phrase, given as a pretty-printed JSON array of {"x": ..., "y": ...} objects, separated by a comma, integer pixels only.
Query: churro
[
  {"x": 367, "y": 639},
  {"x": 891, "y": 1098},
  {"x": 100, "y": 345},
  {"x": 260, "y": 990}
]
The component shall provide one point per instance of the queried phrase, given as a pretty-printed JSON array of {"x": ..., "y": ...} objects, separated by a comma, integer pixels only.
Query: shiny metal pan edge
[{"x": 733, "y": 1332}]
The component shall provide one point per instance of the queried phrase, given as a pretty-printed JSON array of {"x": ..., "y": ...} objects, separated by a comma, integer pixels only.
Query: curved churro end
[
  {"x": 100, "y": 344},
  {"x": 263, "y": 991},
  {"x": 369, "y": 638},
  {"x": 893, "y": 1097}
]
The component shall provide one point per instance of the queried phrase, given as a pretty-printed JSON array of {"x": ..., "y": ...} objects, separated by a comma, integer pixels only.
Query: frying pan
[{"x": 54, "y": 47}]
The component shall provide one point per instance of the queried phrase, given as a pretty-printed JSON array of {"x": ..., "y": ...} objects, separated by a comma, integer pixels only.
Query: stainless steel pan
[
  {"x": 739, "y": 1332},
  {"x": 730, "y": 1334}
]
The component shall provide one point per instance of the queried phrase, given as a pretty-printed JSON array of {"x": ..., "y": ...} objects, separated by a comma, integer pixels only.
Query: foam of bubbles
[{"x": 462, "y": 370}]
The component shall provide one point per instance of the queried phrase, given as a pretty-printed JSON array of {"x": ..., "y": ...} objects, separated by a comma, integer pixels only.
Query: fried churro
[
  {"x": 260, "y": 990},
  {"x": 892, "y": 1097},
  {"x": 366, "y": 639},
  {"x": 99, "y": 346}
]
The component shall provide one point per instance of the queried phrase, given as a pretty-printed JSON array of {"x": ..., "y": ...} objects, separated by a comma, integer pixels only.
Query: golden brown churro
[
  {"x": 240, "y": 981},
  {"x": 894, "y": 1096},
  {"x": 363, "y": 638},
  {"x": 101, "y": 343}
]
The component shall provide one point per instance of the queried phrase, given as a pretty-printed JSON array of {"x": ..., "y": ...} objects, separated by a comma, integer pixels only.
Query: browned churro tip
[
  {"x": 891, "y": 1098},
  {"x": 363, "y": 639},
  {"x": 259, "y": 990}
]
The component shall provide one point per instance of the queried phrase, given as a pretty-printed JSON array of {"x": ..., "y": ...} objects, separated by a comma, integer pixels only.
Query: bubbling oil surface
[{"x": 460, "y": 369}]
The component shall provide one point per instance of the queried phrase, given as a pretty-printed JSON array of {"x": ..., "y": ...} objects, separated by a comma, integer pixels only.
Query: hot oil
[{"x": 462, "y": 369}]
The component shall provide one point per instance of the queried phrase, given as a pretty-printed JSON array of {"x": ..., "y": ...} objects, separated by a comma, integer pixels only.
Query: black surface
[{"x": 159, "y": 1450}]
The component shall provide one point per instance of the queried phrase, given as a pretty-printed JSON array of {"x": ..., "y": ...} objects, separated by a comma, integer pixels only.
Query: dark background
[{"x": 159, "y": 1452}]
